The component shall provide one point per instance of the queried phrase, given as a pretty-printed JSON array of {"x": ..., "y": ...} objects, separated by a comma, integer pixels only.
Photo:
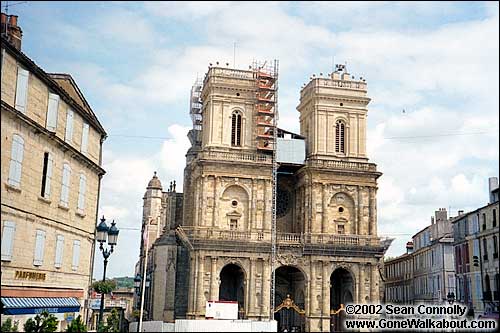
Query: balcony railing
[
  {"x": 232, "y": 156},
  {"x": 204, "y": 233},
  {"x": 359, "y": 166}
]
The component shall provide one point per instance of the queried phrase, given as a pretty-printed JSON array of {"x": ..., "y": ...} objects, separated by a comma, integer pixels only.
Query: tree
[
  {"x": 112, "y": 323},
  {"x": 104, "y": 287},
  {"x": 77, "y": 325},
  {"x": 8, "y": 327},
  {"x": 44, "y": 322}
]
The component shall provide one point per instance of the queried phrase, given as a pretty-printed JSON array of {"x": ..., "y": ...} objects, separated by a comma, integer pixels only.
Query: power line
[{"x": 436, "y": 135}]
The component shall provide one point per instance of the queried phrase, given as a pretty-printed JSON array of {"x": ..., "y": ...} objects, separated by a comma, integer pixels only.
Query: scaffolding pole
[{"x": 274, "y": 189}]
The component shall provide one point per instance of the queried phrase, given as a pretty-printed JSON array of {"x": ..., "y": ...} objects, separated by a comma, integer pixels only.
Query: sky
[{"x": 135, "y": 63}]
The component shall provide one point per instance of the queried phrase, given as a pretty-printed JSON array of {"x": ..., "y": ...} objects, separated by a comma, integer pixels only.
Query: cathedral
[{"x": 213, "y": 242}]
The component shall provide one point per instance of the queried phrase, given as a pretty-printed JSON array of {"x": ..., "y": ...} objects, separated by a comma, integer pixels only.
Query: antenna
[{"x": 6, "y": 6}]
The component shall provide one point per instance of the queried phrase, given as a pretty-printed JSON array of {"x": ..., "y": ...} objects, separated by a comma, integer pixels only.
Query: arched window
[
  {"x": 340, "y": 137},
  {"x": 236, "y": 129}
]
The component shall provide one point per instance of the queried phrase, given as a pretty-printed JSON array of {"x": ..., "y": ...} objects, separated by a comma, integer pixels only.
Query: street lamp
[
  {"x": 450, "y": 297},
  {"x": 111, "y": 234},
  {"x": 137, "y": 284}
]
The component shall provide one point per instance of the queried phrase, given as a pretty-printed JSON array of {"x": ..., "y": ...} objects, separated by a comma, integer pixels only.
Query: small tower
[
  {"x": 333, "y": 112},
  {"x": 152, "y": 208}
]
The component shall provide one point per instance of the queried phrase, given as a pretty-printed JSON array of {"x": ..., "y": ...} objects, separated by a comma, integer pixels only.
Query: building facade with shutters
[
  {"x": 50, "y": 181},
  {"x": 328, "y": 251},
  {"x": 476, "y": 256}
]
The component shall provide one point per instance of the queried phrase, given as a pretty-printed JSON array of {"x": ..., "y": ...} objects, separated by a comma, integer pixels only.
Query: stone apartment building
[
  {"x": 476, "y": 256},
  {"x": 50, "y": 179},
  {"x": 219, "y": 248},
  {"x": 426, "y": 273},
  {"x": 399, "y": 277}
]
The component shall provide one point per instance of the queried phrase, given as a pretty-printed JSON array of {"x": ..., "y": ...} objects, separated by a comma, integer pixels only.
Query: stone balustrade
[
  {"x": 204, "y": 233},
  {"x": 342, "y": 165},
  {"x": 232, "y": 156}
]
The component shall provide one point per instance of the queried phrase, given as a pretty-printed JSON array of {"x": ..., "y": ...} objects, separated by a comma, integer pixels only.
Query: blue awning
[{"x": 31, "y": 305}]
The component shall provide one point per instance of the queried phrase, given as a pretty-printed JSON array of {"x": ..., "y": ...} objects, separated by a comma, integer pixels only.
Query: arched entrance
[
  {"x": 232, "y": 286},
  {"x": 290, "y": 299},
  {"x": 341, "y": 292}
]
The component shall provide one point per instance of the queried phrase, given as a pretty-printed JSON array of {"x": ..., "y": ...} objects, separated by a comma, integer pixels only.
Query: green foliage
[
  {"x": 124, "y": 282},
  {"x": 7, "y": 326},
  {"x": 44, "y": 322},
  {"x": 104, "y": 287},
  {"x": 77, "y": 325},
  {"x": 112, "y": 323}
]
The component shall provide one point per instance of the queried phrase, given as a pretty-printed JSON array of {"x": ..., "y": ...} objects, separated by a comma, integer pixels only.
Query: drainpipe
[{"x": 480, "y": 263}]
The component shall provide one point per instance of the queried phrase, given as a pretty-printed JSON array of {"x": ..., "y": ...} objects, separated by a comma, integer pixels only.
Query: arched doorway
[
  {"x": 341, "y": 292},
  {"x": 290, "y": 299},
  {"x": 232, "y": 286}
]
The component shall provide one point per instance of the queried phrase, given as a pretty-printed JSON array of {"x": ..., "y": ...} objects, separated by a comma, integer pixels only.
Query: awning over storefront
[{"x": 31, "y": 305}]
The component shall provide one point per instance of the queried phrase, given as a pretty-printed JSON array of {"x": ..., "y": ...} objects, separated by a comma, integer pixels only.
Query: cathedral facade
[{"x": 216, "y": 245}]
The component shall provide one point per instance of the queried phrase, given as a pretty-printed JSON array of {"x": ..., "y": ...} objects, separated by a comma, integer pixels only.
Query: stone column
[
  {"x": 374, "y": 284},
  {"x": 214, "y": 290},
  {"x": 361, "y": 283},
  {"x": 200, "y": 297},
  {"x": 266, "y": 288},
  {"x": 251, "y": 288},
  {"x": 312, "y": 295},
  {"x": 216, "y": 201},
  {"x": 360, "y": 212},
  {"x": 324, "y": 215},
  {"x": 326, "y": 290},
  {"x": 192, "y": 285},
  {"x": 371, "y": 205}
]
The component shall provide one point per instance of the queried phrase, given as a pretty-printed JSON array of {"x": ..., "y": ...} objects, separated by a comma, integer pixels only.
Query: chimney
[
  {"x": 492, "y": 185},
  {"x": 409, "y": 247},
  {"x": 460, "y": 212},
  {"x": 11, "y": 30}
]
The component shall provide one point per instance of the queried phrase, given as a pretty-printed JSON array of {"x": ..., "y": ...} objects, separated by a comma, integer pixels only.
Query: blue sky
[{"x": 135, "y": 63}]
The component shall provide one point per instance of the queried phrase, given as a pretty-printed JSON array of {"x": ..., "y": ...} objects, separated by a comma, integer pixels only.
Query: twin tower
[{"x": 213, "y": 242}]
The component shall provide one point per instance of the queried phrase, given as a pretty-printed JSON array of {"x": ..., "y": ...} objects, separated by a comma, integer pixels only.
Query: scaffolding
[
  {"x": 196, "y": 105},
  {"x": 266, "y": 105}
]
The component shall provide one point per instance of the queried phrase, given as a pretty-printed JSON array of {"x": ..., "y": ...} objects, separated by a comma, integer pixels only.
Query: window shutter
[
  {"x": 85, "y": 138},
  {"x": 39, "y": 247},
  {"x": 48, "y": 176},
  {"x": 16, "y": 160},
  {"x": 7, "y": 240},
  {"x": 69, "y": 126},
  {"x": 59, "y": 251},
  {"x": 76, "y": 255},
  {"x": 22, "y": 89},
  {"x": 81, "y": 192},
  {"x": 65, "y": 184},
  {"x": 52, "y": 112}
]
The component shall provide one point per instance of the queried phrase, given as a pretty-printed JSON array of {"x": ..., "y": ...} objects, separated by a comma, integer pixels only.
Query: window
[
  {"x": 22, "y": 89},
  {"x": 46, "y": 175},
  {"x": 340, "y": 137},
  {"x": 16, "y": 160},
  {"x": 484, "y": 221},
  {"x": 85, "y": 138},
  {"x": 9, "y": 228},
  {"x": 236, "y": 130},
  {"x": 495, "y": 247},
  {"x": 340, "y": 229},
  {"x": 39, "y": 247},
  {"x": 76, "y": 255},
  {"x": 69, "y": 126},
  {"x": 53, "y": 105},
  {"x": 59, "y": 251},
  {"x": 81, "y": 193},
  {"x": 233, "y": 224},
  {"x": 66, "y": 175},
  {"x": 485, "y": 246},
  {"x": 494, "y": 218}
]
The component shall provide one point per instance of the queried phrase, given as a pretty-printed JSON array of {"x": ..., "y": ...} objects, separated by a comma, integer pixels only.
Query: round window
[
  {"x": 341, "y": 209},
  {"x": 234, "y": 203}
]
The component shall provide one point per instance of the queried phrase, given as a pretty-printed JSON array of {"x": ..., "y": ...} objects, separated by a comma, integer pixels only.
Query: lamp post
[
  {"x": 137, "y": 284},
  {"x": 111, "y": 234}
]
